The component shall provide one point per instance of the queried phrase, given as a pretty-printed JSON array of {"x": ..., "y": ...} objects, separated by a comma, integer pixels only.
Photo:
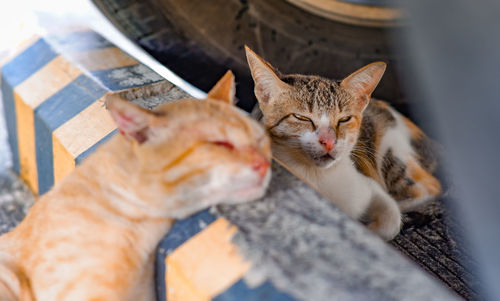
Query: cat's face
[
  {"x": 315, "y": 120},
  {"x": 202, "y": 151}
]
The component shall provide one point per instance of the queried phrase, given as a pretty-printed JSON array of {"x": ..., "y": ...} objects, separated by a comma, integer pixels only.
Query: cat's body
[
  {"x": 93, "y": 236},
  {"x": 85, "y": 240},
  {"x": 353, "y": 199},
  {"x": 398, "y": 155},
  {"x": 361, "y": 154}
]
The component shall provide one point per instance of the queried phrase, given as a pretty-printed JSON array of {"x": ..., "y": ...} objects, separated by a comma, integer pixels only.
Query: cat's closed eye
[
  {"x": 345, "y": 119},
  {"x": 304, "y": 118},
  {"x": 225, "y": 144},
  {"x": 301, "y": 117}
]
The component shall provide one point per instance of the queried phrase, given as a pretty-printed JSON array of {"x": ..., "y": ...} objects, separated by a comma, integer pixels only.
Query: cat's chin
[
  {"x": 232, "y": 196},
  {"x": 248, "y": 194},
  {"x": 252, "y": 192},
  {"x": 325, "y": 161}
]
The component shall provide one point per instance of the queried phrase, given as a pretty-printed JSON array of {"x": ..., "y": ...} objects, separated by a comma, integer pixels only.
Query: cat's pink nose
[
  {"x": 260, "y": 165},
  {"x": 327, "y": 138},
  {"x": 327, "y": 142}
]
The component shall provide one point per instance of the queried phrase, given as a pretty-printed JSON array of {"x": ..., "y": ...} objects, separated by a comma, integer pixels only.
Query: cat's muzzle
[{"x": 325, "y": 160}]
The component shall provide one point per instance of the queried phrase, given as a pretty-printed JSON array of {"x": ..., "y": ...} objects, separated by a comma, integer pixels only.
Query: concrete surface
[{"x": 309, "y": 249}]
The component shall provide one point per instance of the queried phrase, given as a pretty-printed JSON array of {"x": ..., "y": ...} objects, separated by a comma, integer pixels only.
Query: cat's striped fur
[
  {"x": 368, "y": 159},
  {"x": 93, "y": 236}
]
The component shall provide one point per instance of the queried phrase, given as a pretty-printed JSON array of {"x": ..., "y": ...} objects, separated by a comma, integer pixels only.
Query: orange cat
[{"x": 93, "y": 236}]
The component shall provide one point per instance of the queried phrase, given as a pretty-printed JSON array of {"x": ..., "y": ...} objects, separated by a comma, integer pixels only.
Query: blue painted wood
[
  {"x": 44, "y": 157},
  {"x": 28, "y": 62},
  {"x": 79, "y": 159},
  {"x": 181, "y": 231},
  {"x": 69, "y": 101},
  {"x": 241, "y": 292},
  {"x": 11, "y": 121},
  {"x": 52, "y": 113},
  {"x": 127, "y": 77}
]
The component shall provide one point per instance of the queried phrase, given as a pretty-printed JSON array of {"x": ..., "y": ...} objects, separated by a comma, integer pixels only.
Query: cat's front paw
[{"x": 386, "y": 228}]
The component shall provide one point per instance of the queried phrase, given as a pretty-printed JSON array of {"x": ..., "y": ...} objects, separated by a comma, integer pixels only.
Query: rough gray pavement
[
  {"x": 434, "y": 242},
  {"x": 307, "y": 248},
  {"x": 15, "y": 200}
]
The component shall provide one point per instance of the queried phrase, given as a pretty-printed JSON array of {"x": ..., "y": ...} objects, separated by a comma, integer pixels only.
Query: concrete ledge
[{"x": 52, "y": 93}]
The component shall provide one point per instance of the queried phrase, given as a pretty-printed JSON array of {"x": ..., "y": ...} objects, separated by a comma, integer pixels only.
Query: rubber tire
[{"x": 200, "y": 39}]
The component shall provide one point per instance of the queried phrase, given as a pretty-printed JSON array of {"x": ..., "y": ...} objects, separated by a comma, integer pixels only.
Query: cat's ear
[
  {"x": 132, "y": 121},
  {"x": 267, "y": 82},
  {"x": 224, "y": 89},
  {"x": 362, "y": 82}
]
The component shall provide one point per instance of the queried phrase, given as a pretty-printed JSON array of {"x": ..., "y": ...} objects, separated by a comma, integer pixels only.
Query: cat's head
[
  {"x": 315, "y": 119},
  {"x": 198, "y": 152}
]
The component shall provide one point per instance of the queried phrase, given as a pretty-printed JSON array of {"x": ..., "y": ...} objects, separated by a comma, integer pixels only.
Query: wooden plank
[{"x": 205, "y": 265}]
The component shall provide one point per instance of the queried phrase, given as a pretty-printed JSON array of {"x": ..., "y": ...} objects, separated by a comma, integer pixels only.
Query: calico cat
[
  {"x": 93, "y": 236},
  {"x": 361, "y": 154}
]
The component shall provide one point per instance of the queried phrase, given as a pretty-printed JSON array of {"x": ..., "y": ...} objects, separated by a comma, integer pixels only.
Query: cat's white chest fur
[
  {"x": 341, "y": 183},
  {"x": 351, "y": 191},
  {"x": 344, "y": 186}
]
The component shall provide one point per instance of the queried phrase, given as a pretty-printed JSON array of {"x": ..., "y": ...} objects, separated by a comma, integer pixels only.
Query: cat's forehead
[{"x": 317, "y": 94}]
